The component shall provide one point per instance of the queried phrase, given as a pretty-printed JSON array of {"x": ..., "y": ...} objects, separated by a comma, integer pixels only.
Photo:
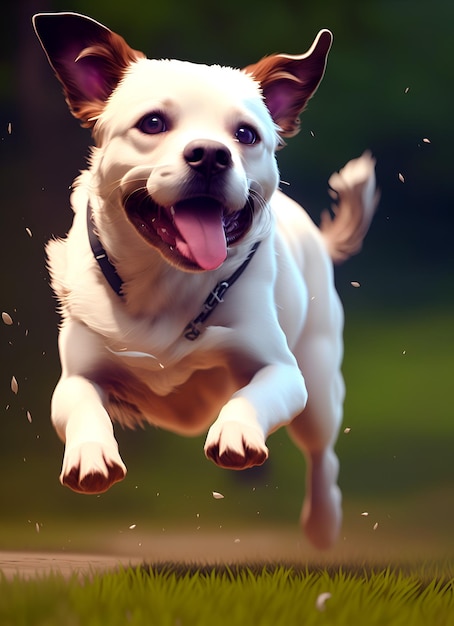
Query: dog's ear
[
  {"x": 88, "y": 59},
  {"x": 288, "y": 82}
]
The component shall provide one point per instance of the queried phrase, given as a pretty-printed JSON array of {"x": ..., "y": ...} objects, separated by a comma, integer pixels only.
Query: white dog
[{"x": 194, "y": 294}]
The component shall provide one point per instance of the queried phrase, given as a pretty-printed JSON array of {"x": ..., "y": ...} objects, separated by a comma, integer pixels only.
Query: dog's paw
[
  {"x": 321, "y": 516},
  {"x": 322, "y": 522},
  {"x": 92, "y": 467},
  {"x": 234, "y": 445}
]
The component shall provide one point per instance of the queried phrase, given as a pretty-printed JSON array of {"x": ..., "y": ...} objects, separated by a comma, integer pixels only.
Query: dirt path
[
  {"x": 34, "y": 564},
  {"x": 158, "y": 548},
  {"x": 211, "y": 548}
]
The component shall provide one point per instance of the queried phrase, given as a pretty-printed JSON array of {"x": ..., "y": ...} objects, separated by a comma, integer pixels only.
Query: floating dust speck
[
  {"x": 426, "y": 140},
  {"x": 407, "y": 89},
  {"x": 14, "y": 385},
  {"x": 320, "y": 603},
  {"x": 29, "y": 417},
  {"x": 355, "y": 283},
  {"x": 365, "y": 514},
  {"x": 37, "y": 527},
  {"x": 347, "y": 430},
  {"x": 7, "y": 319},
  {"x": 217, "y": 495},
  {"x": 9, "y": 128},
  {"x": 312, "y": 133},
  {"x": 132, "y": 526},
  {"x": 29, "y": 232},
  {"x": 401, "y": 177},
  {"x": 404, "y": 352},
  {"x": 375, "y": 526},
  {"x": 236, "y": 540}
]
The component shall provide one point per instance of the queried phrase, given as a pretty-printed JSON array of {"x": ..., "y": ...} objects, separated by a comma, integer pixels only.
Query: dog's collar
[
  {"x": 100, "y": 254},
  {"x": 194, "y": 328}
]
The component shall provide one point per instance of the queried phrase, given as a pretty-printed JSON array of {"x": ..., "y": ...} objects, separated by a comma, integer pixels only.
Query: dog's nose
[{"x": 207, "y": 157}]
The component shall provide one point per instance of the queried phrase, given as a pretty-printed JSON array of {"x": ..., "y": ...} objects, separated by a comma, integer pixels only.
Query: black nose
[{"x": 207, "y": 157}]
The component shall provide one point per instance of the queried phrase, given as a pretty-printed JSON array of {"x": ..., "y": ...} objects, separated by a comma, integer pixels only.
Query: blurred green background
[{"x": 388, "y": 88}]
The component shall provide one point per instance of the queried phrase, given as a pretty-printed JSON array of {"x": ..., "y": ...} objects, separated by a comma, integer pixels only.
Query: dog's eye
[
  {"x": 152, "y": 124},
  {"x": 247, "y": 135}
]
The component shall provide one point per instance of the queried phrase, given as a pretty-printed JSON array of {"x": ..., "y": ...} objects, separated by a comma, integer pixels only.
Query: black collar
[
  {"x": 194, "y": 328},
  {"x": 107, "y": 268}
]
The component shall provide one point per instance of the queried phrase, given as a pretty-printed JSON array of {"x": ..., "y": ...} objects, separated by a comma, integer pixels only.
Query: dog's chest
[{"x": 183, "y": 397}]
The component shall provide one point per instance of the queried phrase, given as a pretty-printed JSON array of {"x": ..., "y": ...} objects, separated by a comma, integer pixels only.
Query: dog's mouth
[{"x": 198, "y": 230}]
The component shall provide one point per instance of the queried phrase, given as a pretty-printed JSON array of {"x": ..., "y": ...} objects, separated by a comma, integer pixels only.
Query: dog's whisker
[{"x": 263, "y": 207}]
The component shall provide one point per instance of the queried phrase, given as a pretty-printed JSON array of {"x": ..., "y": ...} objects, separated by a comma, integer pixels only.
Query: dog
[{"x": 194, "y": 294}]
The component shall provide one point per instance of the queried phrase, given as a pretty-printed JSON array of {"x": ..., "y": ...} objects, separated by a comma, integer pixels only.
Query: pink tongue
[{"x": 199, "y": 223}]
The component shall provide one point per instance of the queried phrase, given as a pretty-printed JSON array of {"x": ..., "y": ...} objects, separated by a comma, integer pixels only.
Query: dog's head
[{"x": 186, "y": 149}]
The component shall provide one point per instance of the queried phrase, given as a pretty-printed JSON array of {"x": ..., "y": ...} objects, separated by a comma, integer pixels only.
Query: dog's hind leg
[
  {"x": 315, "y": 433},
  {"x": 315, "y": 430},
  {"x": 91, "y": 462}
]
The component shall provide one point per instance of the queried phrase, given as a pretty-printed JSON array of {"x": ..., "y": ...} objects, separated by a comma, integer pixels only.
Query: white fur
[{"x": 270, "y": 353}]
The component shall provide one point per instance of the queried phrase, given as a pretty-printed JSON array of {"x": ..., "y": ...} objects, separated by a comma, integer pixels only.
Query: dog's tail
[{"x": 356, "y": 197}]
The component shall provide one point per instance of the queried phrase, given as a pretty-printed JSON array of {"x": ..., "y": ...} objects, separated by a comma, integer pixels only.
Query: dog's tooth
[{"x": 172, "y": 211}]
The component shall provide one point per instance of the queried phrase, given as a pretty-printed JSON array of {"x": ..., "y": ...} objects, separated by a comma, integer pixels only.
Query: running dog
[{"x": 194, "y": 294}]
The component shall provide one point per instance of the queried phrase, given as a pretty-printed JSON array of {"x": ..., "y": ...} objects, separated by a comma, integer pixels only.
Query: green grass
[{"x": 170, "y": 595}]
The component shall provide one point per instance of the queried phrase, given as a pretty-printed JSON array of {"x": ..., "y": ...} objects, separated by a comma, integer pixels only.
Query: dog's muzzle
[{"x": 197, "y": 229}]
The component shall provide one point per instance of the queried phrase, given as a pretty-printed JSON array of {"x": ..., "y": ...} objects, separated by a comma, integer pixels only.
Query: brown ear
[
  {"x": 88, "y": 59},
  {"x": 288, "y": 82}
]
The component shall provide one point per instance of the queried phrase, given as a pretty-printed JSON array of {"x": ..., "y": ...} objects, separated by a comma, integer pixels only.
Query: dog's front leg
[
  {"x": 91, "y": 462},
  {"x": 273, "y": 397}
]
